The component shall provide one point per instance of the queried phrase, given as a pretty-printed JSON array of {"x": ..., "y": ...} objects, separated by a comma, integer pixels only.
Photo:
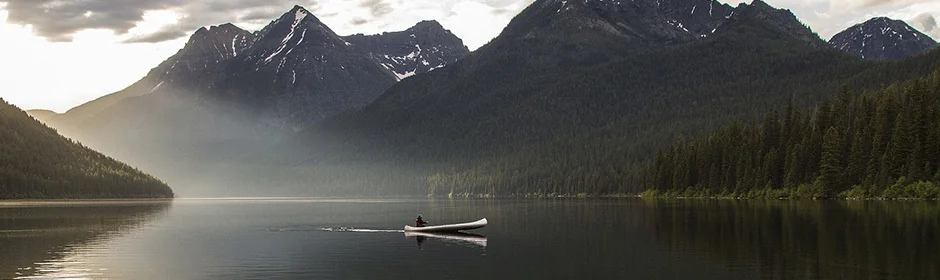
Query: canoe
[
  {"x": 448, "y": 228},
  {"x": 456, "y": 237}
]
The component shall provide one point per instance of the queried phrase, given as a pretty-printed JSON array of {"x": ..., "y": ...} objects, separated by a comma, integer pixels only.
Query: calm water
[{"x": 526, "y": 239}]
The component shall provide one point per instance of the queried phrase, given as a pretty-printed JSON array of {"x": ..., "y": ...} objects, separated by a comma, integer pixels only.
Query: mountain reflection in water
[
  {"x": 39, "y": 240},
  {"x": 531, "y": 239}
]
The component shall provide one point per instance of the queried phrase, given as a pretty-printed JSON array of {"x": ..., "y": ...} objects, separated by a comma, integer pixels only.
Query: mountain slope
[
  {"x": 526, "y": 114},
  {"x": 882, "y": 38},
  {"x": 38, "y": 163},
  {"x": 535, "y": 52},
  {"x": 199, "y": 61},
  {"x": 229, "y": 92}
]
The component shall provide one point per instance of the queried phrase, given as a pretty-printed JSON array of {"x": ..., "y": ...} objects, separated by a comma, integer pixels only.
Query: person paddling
[{"x": 420, "y": 222}]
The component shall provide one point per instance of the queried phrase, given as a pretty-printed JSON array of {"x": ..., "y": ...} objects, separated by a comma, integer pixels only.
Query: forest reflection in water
[
  {"x": 525, "y": 239},
  {"x": 805, "y": 239},
  {"x": 37, "y": 238}
]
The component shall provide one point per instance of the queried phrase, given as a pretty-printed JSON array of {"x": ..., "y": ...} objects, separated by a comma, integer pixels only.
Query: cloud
[
  {"x": 358, "y": 21},
  {"x": 59, "y": 20},
  {"x": 476, "y": 21},
  {"x": 856, "y": 4},
  {"x": 159, "y": 36},
  {"x": 925, "y": 22},
  {"x": 263, "y": 13},
  {"x": 512, "y": 9},
  {"x": 378, "y": 8}
]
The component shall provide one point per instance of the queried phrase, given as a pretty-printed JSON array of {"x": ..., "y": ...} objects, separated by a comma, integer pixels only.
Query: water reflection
[
  {"x": 805, "y": 239},
  {"x": 40, "y": 240},
  {"x": 469, "y": 239},
  {"x": 537, "y": 239}
]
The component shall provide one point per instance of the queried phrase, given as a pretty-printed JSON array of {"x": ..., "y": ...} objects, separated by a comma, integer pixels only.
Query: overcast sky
[{"x": 60, "y": 53}]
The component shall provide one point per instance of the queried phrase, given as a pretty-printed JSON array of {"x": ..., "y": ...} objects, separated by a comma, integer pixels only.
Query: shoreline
[
  {"x": 155, "y": 201},
  {"x": 83, "y": 202}
]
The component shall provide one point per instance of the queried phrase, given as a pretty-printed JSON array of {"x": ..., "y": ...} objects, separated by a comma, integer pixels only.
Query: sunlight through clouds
[
  {"x": 37, "y": 73},
  {"x": 154, "y": 21},
  {"x": 487, "y": 22}
]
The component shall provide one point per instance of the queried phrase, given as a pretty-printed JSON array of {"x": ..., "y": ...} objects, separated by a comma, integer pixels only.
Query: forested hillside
[
  {"x": 595, "y": 128},
  {"x": 38, "y": 163},
  {"x": 879, "y": 144},
  {"x": 578, "y": 111}
]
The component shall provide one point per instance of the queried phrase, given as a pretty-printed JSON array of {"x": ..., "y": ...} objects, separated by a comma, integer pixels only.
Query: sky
[{"x": 57, "y": 54}]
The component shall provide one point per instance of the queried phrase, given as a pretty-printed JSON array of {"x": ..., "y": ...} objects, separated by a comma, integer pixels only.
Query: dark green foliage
[
  {"x": 874, "y": 142},
  {"x": 830, "y": 168},
  {"x": 38, "y": 163}
]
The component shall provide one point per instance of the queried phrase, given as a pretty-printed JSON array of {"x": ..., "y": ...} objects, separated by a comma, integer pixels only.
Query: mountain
[
  {"x": 882, "y": 38},
  {"x": 573, "y": 94},
  {"x": 229, "y": 91},
  {"x": 201, "y": 61},
  {"x": 569, "y": 98},
  {"x": 553, "y": 41},
  {"x": 419, "y": 49},
  {"x": 293, "y": 72},
  {"x": 38, "y": 163},
  {"x": 299, "y": 71}
]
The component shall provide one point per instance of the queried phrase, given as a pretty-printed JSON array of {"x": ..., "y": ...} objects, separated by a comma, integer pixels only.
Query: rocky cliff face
[{"x": 422, "y": 48}]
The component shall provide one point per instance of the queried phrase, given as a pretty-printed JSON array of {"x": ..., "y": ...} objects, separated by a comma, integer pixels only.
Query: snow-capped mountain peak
[
  {"x": 882, "y": 38},
  {"x": 293, "y": 29},
  {"x": 293, "y": 72}
]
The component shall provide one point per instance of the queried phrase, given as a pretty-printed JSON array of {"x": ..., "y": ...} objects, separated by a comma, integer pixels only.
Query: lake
[{"x": 297, "y": 238}]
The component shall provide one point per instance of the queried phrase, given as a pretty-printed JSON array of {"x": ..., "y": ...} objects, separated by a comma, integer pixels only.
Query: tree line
[{"x": 878, "y": 144}]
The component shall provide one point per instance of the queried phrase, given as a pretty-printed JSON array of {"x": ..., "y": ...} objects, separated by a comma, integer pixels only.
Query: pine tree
[
  {"x": 830, "y": 166},
  {"x": 859, "y": 157},
  {"x": 901, "y": 145},
  {"x": 915, "y": 163},
  {"x": 881, "y": 127},
  {"x": 793, "y": 168}
]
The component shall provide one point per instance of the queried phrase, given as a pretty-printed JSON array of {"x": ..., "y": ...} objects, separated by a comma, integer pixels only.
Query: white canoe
[{"x": 448, "y": 228}]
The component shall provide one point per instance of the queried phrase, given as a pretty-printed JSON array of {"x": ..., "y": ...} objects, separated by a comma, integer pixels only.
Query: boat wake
[
  {"x": 332, "y": 229},
  {"x": 349, "y": 229}
]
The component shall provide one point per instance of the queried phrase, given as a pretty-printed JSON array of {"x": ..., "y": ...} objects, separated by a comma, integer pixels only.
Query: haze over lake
[{"x": 298, "y": 238}]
